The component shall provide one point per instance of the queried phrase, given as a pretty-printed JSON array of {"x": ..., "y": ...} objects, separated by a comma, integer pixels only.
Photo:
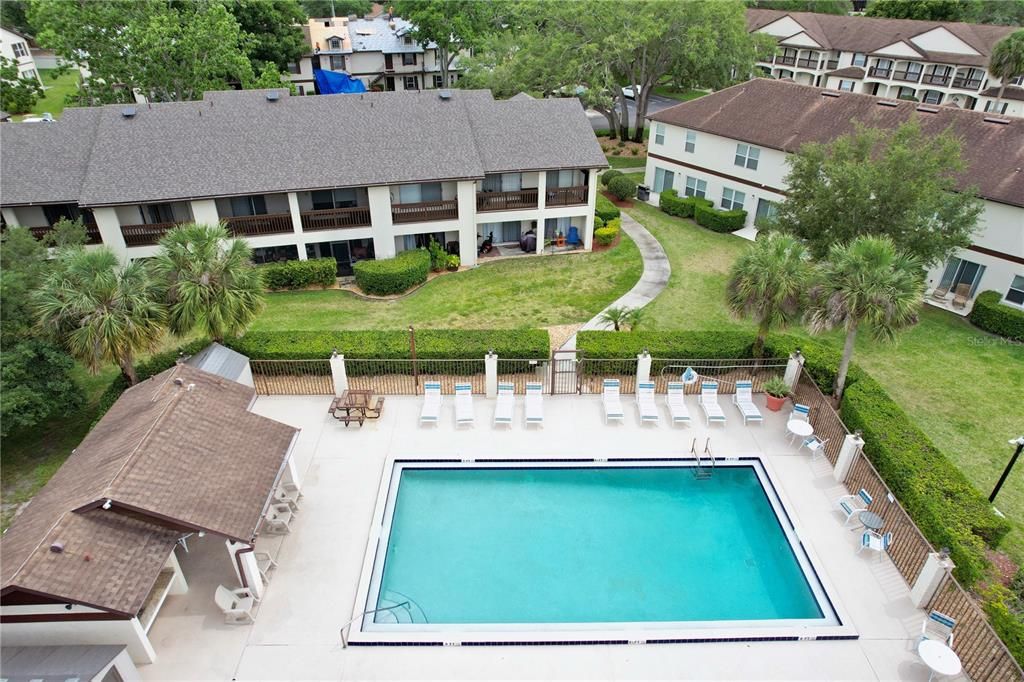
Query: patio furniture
[
  {"x": 874, "y": 542},
  {"x": 963, "y": 292},
  {"x": 709, "y": 403},
  {"x": 292, "y": 487},
  {"x": 430, "y": 413},
  {"x": 799, "y": 428},
  {"x": 851, "y": 505},
  {"x": 870, "y": 520},
  {"x": 374, "y": 412},
  {"x": 816, "y": 445},
  {"x": 800, "y": 412},
  {"x": 939, "y": 293},
  {"x": 236, "y": 605},
  {"x": 676, "y": 403},
  {"x": 940, "y": 659},
  {"x": 463, "y": 405},
  {"x": 534, "y": 403},
  {"x": 289, "y": 497},
  {"x": 573, "y": 236},
  {"x": 505, "y": 407},
  {"x": 645, "y": 403},
  {"x": 744, "y": 401},
  {"x": 278, "y": 519},
  {"x": 938, "y": 627},
  {"x": 265, "y": 563},
  {"x": 611, "y": 400}
]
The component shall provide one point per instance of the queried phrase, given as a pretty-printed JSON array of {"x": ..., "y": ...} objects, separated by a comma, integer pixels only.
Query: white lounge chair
[
  {"x": 709, "y": 403},
  {"x": 851, "y": 505},
  {"x": 431, "y": 411},
  {"x": 938, "y": 627},
  {"x": 535, "y": 403},
  {"x": 645, "y": 404},
  {"x": 278, "y": 519},
  {"x": 676, "y": 403},
  {"x": 463, "y": 405},
  {"x": 612, "y": 402},
  {"x": 265, "y": 563},
  {"x": 744, "y": 401},
  {"x": 236, "y": 605},
  {"x": 505, "y": 406},
  {"x": 874, "y": 542}
]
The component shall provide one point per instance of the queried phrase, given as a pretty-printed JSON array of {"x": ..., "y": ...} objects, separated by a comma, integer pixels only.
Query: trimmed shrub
[
  {"x": 682, "y": 344},
  {"x": 719, "y": 221},
  {"x": 598, "y": 222},
  {"x": 299, "y": 274},
  {"x": 605, "y": 209},
  {"x": 609, "y": 175},
  {"x": 670, "y": 202},
  {"x": 622, "y": 187},
  {"x": 605, "y": 235},
  {"x": 991, "y": 315},
  {"x": 1003, "y": 608},
  {"x": 393, "y": 275}
]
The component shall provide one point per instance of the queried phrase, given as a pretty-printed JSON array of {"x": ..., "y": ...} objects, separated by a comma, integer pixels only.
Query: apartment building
[
  {"x": 349, "y": 177},
  {"x": 933, "y": 62},
  {"x": 15, "y": 46},
  {"x": 731, "y": 147},
  {"x": 379, "y": 51}
]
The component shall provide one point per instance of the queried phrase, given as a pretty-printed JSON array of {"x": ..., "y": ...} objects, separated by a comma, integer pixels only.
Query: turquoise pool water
[{"x": 590, "y": 545}]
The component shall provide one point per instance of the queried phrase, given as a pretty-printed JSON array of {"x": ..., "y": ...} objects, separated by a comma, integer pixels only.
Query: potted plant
[
  {"x": 777, "y": 391},
  {"x": 452, "y": 263}
]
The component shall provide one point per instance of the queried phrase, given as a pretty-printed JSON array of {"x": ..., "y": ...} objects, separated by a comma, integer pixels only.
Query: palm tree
[
  {"x": 866, "y": 282},
  {"x": 102, "y": 311},
  {"x": 634, "y": 318},
  {"x": 769, "y": 283},
  {"x": 1007, "y": 62},
  {"x": 209, "y": 279},
  {"x": 615, "y": 316}
]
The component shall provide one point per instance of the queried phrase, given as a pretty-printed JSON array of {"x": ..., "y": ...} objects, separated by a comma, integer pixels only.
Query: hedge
[
  {"x": 605, "y": 209},
  {"x": 598, "y": 222},
  {"x": 992, "y": 316},
  {"x": 1002, "y": 609},
  {"x": 680, "y": 344},
  {"x": 299, "y": 274},
  {"x": 622, "y": 187},
  {"x": 669, "y": 202},
  {"x": 393, "y": 275},
  {"x": 605, "y": 235},
  {"x": 719, "y": 221},
  {"x": 609, "y": 175}
]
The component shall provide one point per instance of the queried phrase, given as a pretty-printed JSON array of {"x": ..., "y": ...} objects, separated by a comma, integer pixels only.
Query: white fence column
[
  {"x": 643, "y": 367},
  {"x": 936, "y": 567},
  {"x": 491, "y": 375},
  {"x": 338, "y": 373},
  {"x": 793, "y": 367},
  {"x": 852, "y": 445}
]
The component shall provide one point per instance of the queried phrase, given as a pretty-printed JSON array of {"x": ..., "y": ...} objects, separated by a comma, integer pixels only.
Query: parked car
[
  {"x": 627, "y": 91},
  {"x": 45, "y": 118}
]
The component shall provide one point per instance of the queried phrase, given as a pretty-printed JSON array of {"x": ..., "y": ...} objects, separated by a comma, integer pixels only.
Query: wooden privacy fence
[{"x": 292, "y": 377}]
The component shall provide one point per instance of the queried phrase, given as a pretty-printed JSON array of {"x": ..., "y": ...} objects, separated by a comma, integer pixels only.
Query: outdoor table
[
  {"x": 799, "y": 427},
  {"x": 939, "y": 658},
  {"x": 870, "y": 520}
]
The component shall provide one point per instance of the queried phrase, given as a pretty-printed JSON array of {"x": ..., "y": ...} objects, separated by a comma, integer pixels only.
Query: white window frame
[
  {"x": 20, "y": 50},
  {"x": 337, "y": 62},
  {"x": 415, "y": 82},
  {"x": 859, "y": 59},
  {"x": 747, "y": 156},
  {"x": 937, "y": 96},
  {"x": 846, "y": 86},
  {"x": 729, "y": 202},
  {"x": 438, "y": 80},
  {"x": 660, "y": 177},
  {"x": 696, "y": 188},
  {"x": 334, "y": 43},
  {"x": 659, "y": 133},
  {"x": 690, "y": 142},
  {"x": 1014, "y": 287}
]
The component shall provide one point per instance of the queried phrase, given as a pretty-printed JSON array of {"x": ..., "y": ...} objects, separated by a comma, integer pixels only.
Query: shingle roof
[
  {"x": 220, "y": 360},
  {"x": 171, "y": 457},
  {"x": 871, "y": 34},
  {"x": 848, "y": 72},
  {"x": 233, "y": 143},
  {"x": 1013, "y": 92},
  {"x": 381, "y": 37},
  {"x": 784, "y": 116}
]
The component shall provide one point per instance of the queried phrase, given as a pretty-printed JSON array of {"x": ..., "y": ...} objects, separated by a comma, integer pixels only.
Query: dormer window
[
  {"x": 408, "y": 40},
  {"x": 334, "y": 44}
]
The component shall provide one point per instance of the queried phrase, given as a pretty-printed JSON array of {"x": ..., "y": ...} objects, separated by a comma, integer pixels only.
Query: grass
[
  {"x": 627, "y": 161},
  {"x": 684, "y": 96},
  {"x": 57, "y": 89}
]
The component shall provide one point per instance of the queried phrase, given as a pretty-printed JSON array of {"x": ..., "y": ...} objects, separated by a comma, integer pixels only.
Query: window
[
  {"x": 747, "y": 156},
  {"x": 254, "y": 204},
  {"x": 932, "y": 97},
  {"x": 859, "y": 59},
  {"x": 696, "y": 188},
  {"x": 846, "y": 86},
  {"x": 990, "y": 106},
  {"x": 438, "y": 81},
  {"x": 914, "y": 69},
  {"x": 411, "y": 83},
  {"x": 293, "y": 67},
  {"x": 337, "y": 62},
  {"x": 691, "y": 141},
  {"x": 408, "y": 40},
  {"x": 659, "y": 133},
  {"x": 766, "y": 211},
  {"x": 663, "y": 179},
  {"x": 158, "y": 213},
  {"x": 20, "y": 49},
  {"x": 564, "y": 178},
  {"x": 414, "y": 194},
  {"x": 732, "y": 200},
  {"x": 409, "y": 59},
  {"x": 56, "y": 212},
  {"x": 29, "y": 73},
  {"x": 334, "y": 44},
  {"x": 333, "y": 198},
  {"x": 1019, "y": 80},
  {"x": 1016, "y": 293}
]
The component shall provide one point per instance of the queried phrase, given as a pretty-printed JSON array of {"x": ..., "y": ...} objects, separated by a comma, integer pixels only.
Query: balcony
[
  {"x": 145, "y": 234},
  {"x": 807, "y": 63},
  {"x": 92, "y": 233},
  {"x": 506, "y": 201},
  {"x": 567, "y": 196},
  {"x": 258, "y": 225},
  {"x": 335, "y": 218},
  {"x": 832, "y": 64},
  {"x": 785, "y": 61},
  {"x": 907, "y": 76},
  {"x": 879, "y": 72},
  {"x": 935, "y": 79},
  {"x": 963, "y": 83},
  {"x": 425, "y": 211}
]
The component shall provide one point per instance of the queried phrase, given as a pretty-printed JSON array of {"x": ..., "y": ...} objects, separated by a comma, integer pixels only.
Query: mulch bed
[
  {"x": 621, "y": 203},
  {"x": 615, "y": 242}
]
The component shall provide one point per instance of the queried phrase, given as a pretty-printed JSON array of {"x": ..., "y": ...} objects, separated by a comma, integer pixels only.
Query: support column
[
  {"x": 848, "y": 453},
  {"x": 293, "y": 210},
  {"x": 246, "y": 568},
  {"x": 204, "y": 212},
  {"x": 380, "y": 219},
  {"x": 178, "y": 582},
  {"x": 110, "y": 230},
  {"x": 542, "y": 191},
  {"x": 936, "y": 567},
  {"x": 588, "y": 231},
  {"x": 338, "y": 373},
  {"x": 491, "y": 375},
  {"x": 9, "y": 216},
  {"x": 643, "y": 367},
  {"x": 466, "y": 194},
  {"x": 793, "y": 367}
]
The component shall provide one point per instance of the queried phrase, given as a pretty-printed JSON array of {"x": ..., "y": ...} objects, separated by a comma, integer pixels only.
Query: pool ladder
[{"x": 705, "y": 460}]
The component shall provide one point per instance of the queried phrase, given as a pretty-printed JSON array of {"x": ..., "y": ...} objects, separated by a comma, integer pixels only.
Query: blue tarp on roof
[{"x": 331, "y": 83}]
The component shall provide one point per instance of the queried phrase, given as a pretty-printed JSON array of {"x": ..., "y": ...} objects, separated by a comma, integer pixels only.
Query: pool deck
[{"x": 313, "y": 590}]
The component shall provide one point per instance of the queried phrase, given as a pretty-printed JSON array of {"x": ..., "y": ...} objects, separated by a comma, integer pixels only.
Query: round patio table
[
  {"x": 939, "y": 658},
  {"x": 870, "y": 520},
  {"x": 799, "y": 427}
]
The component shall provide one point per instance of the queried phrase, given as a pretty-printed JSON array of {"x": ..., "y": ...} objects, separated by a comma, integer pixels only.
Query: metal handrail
[{"x": 346, "y": 626}]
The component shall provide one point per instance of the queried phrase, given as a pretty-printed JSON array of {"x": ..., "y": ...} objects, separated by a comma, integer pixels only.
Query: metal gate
[{"x": 564, "y": 375}]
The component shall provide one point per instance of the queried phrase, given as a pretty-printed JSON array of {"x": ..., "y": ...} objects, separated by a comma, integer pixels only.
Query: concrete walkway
[{"x": 652, "y": 282}]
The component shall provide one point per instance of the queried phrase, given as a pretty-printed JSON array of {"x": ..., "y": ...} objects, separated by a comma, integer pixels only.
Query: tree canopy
[
  {"x": 1003, "y": 12},
  {"x": 819, "y": 6},
  {"x": 336, "y": 8},
  {"x": 453, "y": 25},
  {"x": 1007, "y": 61},
  {"x": 274, "y": 25},
  {"x": 17, "y": 94}
]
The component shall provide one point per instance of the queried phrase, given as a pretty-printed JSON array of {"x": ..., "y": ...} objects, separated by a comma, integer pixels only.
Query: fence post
[
  {"x": 852, "y": 445},
  {"x": 491, "y": 374},
  {"x": 793, "y": 367},
  {"x": 936, "y": 568},
  {"x": 338, "y": 373},
  {"x": 643, "y": 367}
]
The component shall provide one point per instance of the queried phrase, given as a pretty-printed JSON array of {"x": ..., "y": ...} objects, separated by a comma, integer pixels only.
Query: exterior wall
[
  {"x": 26, "y": 64},
  {"x": 57, "y": 633}
]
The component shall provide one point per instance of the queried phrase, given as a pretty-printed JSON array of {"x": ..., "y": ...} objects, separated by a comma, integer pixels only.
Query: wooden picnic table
[{"x": 355, "y": 405}]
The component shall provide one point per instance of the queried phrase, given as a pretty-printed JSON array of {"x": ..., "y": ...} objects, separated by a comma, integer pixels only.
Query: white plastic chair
[
  {"x": 801, "y": 412},
  {"x": 676, "y": 403},
  {"x": 645, "y": 403},
  {"x": 744, "y": 401},
  {"x": 505, "y": 406},
  {"x": 709, "y": 403},
  {"x": 236, "y": 605},
  {"x": 534, "y": 403},
  {"x": 939, "y": 627},
  {"x": 874, "y": 542},
  {"x": 463, "y": 405},
  {"x": 278, "y": 519},
  {"x": 816, "y": 445},
  {"x": 431, "y": 410},
  {"x": 851, "y": 505},
  {"x": 265, "y": 563},
  {"x": 612, "y": 401}
]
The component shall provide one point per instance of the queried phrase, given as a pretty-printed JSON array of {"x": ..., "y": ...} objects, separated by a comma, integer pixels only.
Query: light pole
[{"x": 1019, "y": 442}]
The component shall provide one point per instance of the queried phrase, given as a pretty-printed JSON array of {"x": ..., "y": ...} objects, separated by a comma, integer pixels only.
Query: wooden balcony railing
[
  {"x": 566, "y": 196},
  {"x": 425, "y": 211},
  {"x": 785, "y": 61},
  {"x": 966, "y": 83},
  {"x": 907, "y": 76},
  {"x": 506, "y": 201},
  {"x": 935, "y": 79},
  {"x": 807, "y": 63},
  {"x": 878, "y": 72},
  {"x": 255, "y": 225},
  {"x": 92, "y": 233},
  {"x": 145, "y": 234},
  {"x": 335, "y": 218}
]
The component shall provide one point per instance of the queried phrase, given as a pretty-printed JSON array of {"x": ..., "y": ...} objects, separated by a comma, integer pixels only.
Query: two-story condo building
[
  {"x": 14, "y": 46},
  {"x": 930, "y": 61},
  {"x": 731, "y": 147},
  {"x": 345, "y": 176},
  {"x": 379, "y": 51}
]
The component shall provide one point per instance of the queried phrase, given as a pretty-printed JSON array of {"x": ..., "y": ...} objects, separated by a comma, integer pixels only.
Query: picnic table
[{"x": 354, "y": 405}]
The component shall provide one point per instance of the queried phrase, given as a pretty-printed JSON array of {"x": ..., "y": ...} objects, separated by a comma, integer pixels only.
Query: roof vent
[
  {"x": 829, "y": 93},
  {"x": 178, "y": 381},
  {"x": 273, "y": 95},
  {"x": 128, "y": 112},
  {"x": 1000, "y": 121},
  {"x": 928, "y": 109},
  {"x": 57, "y": 547},
  {"x": 444, "y": 94},
  {"x": 887, "y": 103}
]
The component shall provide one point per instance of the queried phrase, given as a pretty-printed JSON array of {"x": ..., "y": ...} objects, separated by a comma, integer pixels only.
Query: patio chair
[
  {"x": 505, "y": 407},
  {"x": 612, "y": 402},
  {"x": 676, "y": 403},
  {"x": 430, "y": 413},
  {"x": 939, "y": 293},
  {"x": 463, "y": 405},
  {"x": 816, "y": 445},
  {"x": 289, "y": 497},
  {"x": 939, "y": 627},
  {"x": 709, "y": 403},
  {"x": 265, "y": 563},
  {"x": 572, "y": 237},
  {"x": 292, "y": 487},
  {"x": 235, "y": 604},
  {"x": 744, "y": 401},
  {"x": 851, "y": 505},
  {"x": 534, "y": 403},
  {"x": 278, "y": 519},
  {"x": 872, "y": 541},
  {"x": 800, "y": 412},
  {"x": 963, "y": 292},
  {"x": 645, "y": 403}
]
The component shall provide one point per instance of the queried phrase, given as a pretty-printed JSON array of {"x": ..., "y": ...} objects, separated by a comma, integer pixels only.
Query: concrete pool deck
[{"x": 313, "y": 590}]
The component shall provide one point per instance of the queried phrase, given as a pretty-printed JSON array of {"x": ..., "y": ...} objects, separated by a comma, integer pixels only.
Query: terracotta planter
[{"x": 774, "y": 404}]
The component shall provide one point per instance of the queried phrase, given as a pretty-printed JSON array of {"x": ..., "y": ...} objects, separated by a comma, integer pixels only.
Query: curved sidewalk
[{"x": 652, "y": 282}]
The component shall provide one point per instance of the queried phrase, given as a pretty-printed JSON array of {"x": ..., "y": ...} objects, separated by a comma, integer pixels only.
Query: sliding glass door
[{"x": 961, "y": 272}]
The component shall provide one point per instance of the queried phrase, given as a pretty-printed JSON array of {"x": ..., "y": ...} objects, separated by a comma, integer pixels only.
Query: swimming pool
[{"x": 475, "y": 549}]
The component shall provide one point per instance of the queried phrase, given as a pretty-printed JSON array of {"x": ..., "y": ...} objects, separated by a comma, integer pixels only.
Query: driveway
[{"x": 655, "y": 103}]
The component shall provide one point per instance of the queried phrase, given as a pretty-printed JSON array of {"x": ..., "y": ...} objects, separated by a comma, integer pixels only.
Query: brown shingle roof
[
  {"x": 784, "y": 116},
  {"x": 171, "y": 458},
  {"x": 1011, "y": 92},
  {"x": 848, "y": 72}
]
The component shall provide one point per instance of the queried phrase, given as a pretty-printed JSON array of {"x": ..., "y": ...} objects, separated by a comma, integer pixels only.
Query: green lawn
[
  {"x": 626, "y": 161},
  {"x": 684, "y": 96},
  {"x": 57, "y": 88}
]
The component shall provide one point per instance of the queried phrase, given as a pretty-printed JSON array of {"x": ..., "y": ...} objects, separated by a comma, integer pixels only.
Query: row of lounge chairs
[
  {"x": 504, "y": 407},
  {"x": 674, "y": 399}
]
